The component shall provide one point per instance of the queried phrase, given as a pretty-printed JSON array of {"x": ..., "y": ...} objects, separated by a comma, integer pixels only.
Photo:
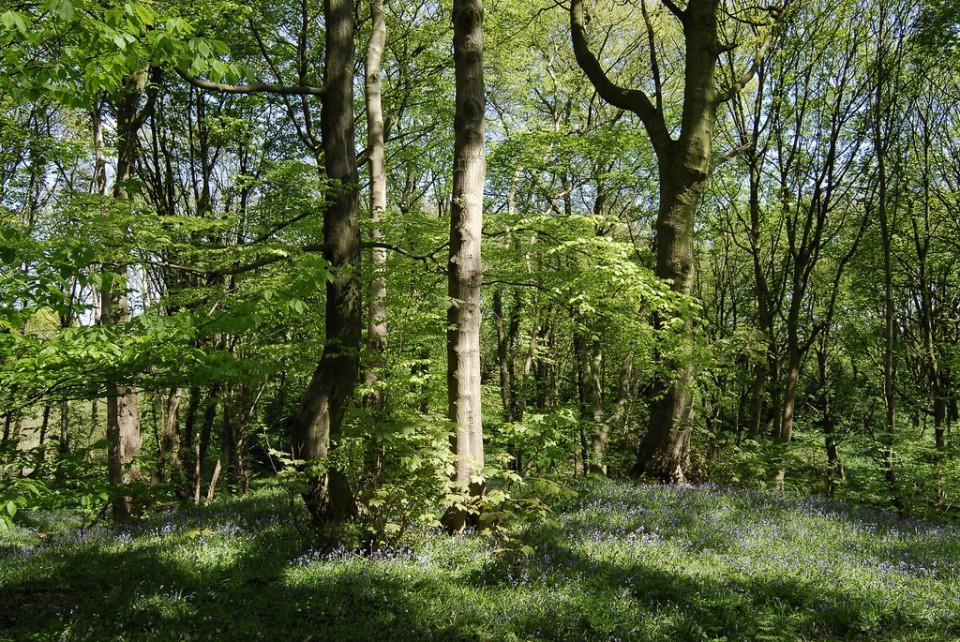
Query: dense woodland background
[{"x": 241, "y": 243}]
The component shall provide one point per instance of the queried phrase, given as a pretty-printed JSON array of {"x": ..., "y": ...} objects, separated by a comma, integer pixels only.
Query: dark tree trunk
[
  {"x": 168, "y": 455},
  {"x": 317, "y": 422},
  {"x": 64, "y": 427},
  {"x": 203, "y": 440},
  {"x": 683, "y": 168}
]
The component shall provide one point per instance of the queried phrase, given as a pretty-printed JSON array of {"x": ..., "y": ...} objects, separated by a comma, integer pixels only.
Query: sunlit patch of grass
[{"x": 619, "y": 562}]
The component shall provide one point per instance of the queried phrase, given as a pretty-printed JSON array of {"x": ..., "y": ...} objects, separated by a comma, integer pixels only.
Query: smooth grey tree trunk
[
  {"x": 377, "y": 292},
  {"x": 465, "y": 271}
]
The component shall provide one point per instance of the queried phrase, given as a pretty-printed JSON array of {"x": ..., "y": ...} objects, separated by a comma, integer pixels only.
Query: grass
[{"x": 619, "y": 562}]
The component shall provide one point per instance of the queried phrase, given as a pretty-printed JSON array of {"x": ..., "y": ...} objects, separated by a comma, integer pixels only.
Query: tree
[
  {"x": 317, "y": 423},
  {"x": 465, "y": 272},
  {"x": 683, "y": 165}
]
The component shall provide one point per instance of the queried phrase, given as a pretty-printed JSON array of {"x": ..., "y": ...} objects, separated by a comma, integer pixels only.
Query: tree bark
[
  {"x": 882, "y": 134},
  {"x": 64, "y": 445},
  {"x": 377, "y": 292},
  {"x": 508, "y": 329},
  {"x": 202, "y": 444},
  {"x": 465, "y": 271},
  {"x": 168, "y": 456},
  {"x": 317, "y": 422},
  {"x": 600, "y": 435},
  {"x": 123, "y": 421}
]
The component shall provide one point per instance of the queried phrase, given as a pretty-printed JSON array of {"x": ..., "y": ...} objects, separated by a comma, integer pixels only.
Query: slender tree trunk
[
  {"x": 123, "y": 420},
  {"x": 583, "y": 393},
  {"x": 939, "y": 420},
  {"x": 377, "y": 293},
  {"x": 755, "y": 420},
  {"x": 600, "y": 436},
  {"x": 465, "y": 271},
  {"x": 214, "y": 478},
  {"x": 44, "y": 424},
  {"x": 939, "y": 438},
  {"x": 544, "y": 369},
  {"x": 762, "y": 372},
  {"x": 188, "y": 443},
  {"x": 507, "y": 330},
  {"x": 229, "y": 434},
  {"x": 881, "y": 143},
  {"x": 203, "y": 439},
  {"x": 828, "y": 423},
  {"x": 168, "y": 456},
  {"x": 316, "y": 425},
  {"x": 64, "y": 446}
]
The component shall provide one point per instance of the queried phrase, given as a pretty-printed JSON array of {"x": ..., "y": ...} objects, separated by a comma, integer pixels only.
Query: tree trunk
[
  {"x": 507, "y": 330},
  {"x": 377, "y": 293},
  {"x": 168, "y": 456},
  {"x": 940, "y": 441},
  {"x": 939, "y": 420},
  {"x": 123, "y": 421},
  {"x": 881, "y": 142},
  {"x": 828, "y": 423},
  {"x": 663, "y": 451},
  {"x": 683, "y": 168},
  {"x": 755, "y": 420},
  {"x": 794, "y": 359},
  {"x": 188, "y": 443},
  {"x": 464, "y": 268},
  {"x": 64, "y": 427},
  {"x": 203, "y": 440},
  {"x": 600, "y": 436},
  {"x": 44, "y": 424},
  {"x": 317, "y": 422}
]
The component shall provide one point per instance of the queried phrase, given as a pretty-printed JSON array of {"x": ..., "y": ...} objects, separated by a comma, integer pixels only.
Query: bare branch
[
  {"x": 780, "y": 16},
  {"x": 254, "y": 88},
  {"x": 654, "y": 65},
  {"x": 674, "y": 9},
  {"x": 633, "y": 100}
]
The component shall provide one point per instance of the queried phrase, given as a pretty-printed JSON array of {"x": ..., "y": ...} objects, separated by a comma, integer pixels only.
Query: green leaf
[
  {"x": 62, "y": 8},
  {"x": 14, "y": 20}
]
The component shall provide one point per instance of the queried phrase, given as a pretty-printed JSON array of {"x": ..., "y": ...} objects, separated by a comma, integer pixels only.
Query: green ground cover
[{"x": 618, "y": 562}]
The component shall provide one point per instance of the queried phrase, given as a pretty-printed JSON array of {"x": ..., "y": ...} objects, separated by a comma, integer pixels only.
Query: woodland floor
[{"x": 620, "y": 562}]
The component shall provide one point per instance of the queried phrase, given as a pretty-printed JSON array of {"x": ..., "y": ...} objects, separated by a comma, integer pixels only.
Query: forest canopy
[{"x": 429, "y": 262}]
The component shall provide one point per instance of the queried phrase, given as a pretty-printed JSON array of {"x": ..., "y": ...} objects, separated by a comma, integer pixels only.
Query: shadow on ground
[{"x": 213, "y": 579}]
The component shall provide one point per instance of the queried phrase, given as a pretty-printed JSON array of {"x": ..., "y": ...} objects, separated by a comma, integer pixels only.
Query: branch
[
  {"x": 254, "y": 88},
  {"x": 780, "y": 18},
  {"x": 654, "y": 67},
  {"x": 674, "y": 9},
  {"x": 632, "y": 100},
  {"x": 156, "y": 75},
  {"x": 735, "y": 152},
  {"x": 517, "y": 284},
  {"x": 429, "y": 256}
]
